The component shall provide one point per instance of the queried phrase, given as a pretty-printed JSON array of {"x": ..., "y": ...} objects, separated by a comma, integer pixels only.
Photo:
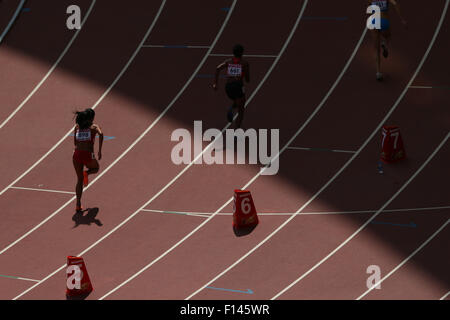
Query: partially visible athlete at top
[
  {"x": 237, "y": 70},
  {"x": 382, "y": 36},
  {"x": 84, "y": 138}
]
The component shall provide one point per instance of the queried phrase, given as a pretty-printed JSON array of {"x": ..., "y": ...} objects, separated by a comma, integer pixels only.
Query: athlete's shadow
[
  {"x": 243, "y": 231},
  {"x": 90, "y": 217}
]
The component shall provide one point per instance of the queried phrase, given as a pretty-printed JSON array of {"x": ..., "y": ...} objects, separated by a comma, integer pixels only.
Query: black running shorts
[{"x": 234, "y": 90}]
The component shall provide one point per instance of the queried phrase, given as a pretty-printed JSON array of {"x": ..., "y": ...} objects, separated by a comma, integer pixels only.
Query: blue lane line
[
  {"x": 105, "y": 138},
  {"x": 410, "y": 225},
  {"x": 325, "y": 18},
  {"x": 249, "y": 291}
]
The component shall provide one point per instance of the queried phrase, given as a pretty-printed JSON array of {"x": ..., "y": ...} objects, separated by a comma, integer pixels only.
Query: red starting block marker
[
  {"x": 78, "y": 282},
  {"x": 392, "y": 149},
  {"x": 244, "y": 211}
]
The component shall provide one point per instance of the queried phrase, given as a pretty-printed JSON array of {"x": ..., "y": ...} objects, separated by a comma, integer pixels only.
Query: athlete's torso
[{"x": 85, "y": 138}]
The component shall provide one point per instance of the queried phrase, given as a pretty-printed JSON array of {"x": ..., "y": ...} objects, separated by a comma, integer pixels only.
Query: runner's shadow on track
[
  {"x": 243, "y": 231},
  {"x": 90, "y": 217}
]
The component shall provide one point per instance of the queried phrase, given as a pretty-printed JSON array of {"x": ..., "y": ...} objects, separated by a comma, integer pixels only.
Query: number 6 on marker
[
  {"x": 245, "y": 206},
  {"x": 374, "y": 11}
]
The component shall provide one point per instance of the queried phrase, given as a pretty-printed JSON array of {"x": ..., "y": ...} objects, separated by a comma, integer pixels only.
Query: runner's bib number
[
  {"x": 83, "y": 135},
  {"x": 234, "y": 70}
]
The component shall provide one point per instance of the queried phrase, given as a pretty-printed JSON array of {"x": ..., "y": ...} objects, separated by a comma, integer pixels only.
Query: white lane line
[
  {"x": 36, "y": 88},
  {"x": 131, "y": 146},
  {"x": 207, "y": 214},
  {"x": 42, "y": 190},
  {"x": 420, "y": 87},
  {"x": 70, "y": 131},
  {"x": 445, "y": 296},
  {"x": 200, "y": 155},
  {"x": 321, "y": 149},
  {"x": 18, "y": 278},
  {"x": 245, "y": 55},
  {"x": 174, "y": 46},
  {"x": 11, "y": 22},
  {"x": 345, "y": 165},
  {"x": 427, "y": 87},
  {"x": 407, "y": 259},
  {"x": 368, "y": 221}
]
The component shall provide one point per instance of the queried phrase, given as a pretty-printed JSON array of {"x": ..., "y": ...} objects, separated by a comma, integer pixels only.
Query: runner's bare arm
[{"x": 219, "y": 68}]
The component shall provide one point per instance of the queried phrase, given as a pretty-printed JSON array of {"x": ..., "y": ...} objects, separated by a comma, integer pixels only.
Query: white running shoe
[{"x": 379, "y": 76}]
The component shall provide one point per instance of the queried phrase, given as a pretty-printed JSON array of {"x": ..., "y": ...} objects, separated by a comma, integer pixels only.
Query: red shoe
[{"x": 85, "y": 178}]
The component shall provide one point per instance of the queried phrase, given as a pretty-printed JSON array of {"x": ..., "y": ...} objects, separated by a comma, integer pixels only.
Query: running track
[{"x": 144, "y": 93}]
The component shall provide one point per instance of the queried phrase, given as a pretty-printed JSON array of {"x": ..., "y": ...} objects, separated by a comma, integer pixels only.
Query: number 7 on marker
[{"x": 393, "y": 134}]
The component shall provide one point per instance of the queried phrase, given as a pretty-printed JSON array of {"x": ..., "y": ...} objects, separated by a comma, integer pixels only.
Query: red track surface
[{"x": 124, "y": 239}]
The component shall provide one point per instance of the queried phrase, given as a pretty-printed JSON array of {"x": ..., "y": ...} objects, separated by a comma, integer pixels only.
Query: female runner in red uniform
[
  {"x": 237, "y": 70},
  {"x": 382, "y": 36},
  {"x": 84, "y": 138}
]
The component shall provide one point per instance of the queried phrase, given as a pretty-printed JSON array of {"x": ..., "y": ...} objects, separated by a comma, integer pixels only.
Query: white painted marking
[
  {"x": 321, "y": 149},
  {"x": 445, "y": 296},
  {"x": 43, "y": 190},
  {"x": 345, "y": 165},
  {"x": 201, "y": 154},
  {"x": 407, "y": 259},
  {"x": 36, "y": 88},
  {"x": 207, "y": 214}
]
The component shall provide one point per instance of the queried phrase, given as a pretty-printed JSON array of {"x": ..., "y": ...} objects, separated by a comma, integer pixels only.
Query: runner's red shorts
[{"x": 83, "y": 156}]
